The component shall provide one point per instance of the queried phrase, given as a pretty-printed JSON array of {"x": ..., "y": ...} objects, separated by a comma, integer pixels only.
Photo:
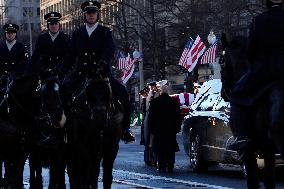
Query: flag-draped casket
[{"x": 185, "y": 100}]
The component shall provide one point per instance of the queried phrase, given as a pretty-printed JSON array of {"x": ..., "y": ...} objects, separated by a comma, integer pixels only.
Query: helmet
[{"x": 270, "y": 3}]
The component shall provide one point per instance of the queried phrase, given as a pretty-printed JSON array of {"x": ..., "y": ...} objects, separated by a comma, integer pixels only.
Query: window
[
  {"x": 28, "y": 11},
  {"x": 26, "y": 27},
  {"x": 38, "y": 11}
]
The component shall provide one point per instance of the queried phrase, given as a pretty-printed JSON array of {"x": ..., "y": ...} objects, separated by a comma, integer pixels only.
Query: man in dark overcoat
[
  {"x": 92, "y": 49},
  {"x": 164, "y": 124},
  {"x": 52, "y": 49},
  {"x": 143, "y": 94},
  {"x": 261, "y": 83}
]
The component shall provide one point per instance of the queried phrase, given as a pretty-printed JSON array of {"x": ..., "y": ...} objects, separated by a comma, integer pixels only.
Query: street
[{"x": 131, "y": 172}]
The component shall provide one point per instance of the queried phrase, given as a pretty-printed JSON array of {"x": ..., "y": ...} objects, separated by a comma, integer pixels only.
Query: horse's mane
[
  {"x": 23, "y": 85},
  {"x": 98, "y": 89}
]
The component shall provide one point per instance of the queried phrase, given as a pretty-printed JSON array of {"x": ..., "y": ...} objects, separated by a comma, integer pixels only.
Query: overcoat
[
  {"x": 164, "y": 122},
  {"x": 14, "y": 61},
  {"x": 51, "y": 56}
]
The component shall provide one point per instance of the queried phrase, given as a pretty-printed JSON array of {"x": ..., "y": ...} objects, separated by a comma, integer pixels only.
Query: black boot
[{"x": 128, "y": 137}]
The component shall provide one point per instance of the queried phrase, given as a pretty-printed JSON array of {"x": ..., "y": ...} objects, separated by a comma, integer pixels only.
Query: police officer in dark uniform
[
  {"x": 13, "y": 54},
  {"x": 13, "y": 60},
  {"x": 50, "y": 57},
  {"x": 262, "y": 83},
  {"x": 50, "y": 61},
  {"x": 93, "y": 48}
]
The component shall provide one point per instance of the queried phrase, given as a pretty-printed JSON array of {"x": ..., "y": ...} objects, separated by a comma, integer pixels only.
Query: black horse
[
  {"x": 24, "y": 103},
  {"x": 234, "y": 64},
  {"x": 17, "y": 112},
  {"x": 48, "y": 132},
  {"x": 94, "y": 134}
]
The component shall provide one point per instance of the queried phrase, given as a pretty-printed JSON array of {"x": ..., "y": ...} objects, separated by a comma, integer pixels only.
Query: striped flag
[
  {"x": 210, "y": 55},
  {"x": 189, "y": 60},
  {"x": 123, "y": 62},
  {"x": 128, "y": 72},
  {"x": 185, "y": 54}
]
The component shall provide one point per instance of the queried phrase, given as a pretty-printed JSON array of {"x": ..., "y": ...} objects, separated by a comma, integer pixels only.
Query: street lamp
[{"x": 211, "y": 38}]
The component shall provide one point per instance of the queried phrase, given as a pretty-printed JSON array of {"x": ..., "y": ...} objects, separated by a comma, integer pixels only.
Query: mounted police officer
[
  {"x": 262, "y": 83},
  {"x": 50, "y": 57},
  {"x": 13, "y": 60},
  {"x": 13, "y": 54},
  {"x": 93, "y": 49}
]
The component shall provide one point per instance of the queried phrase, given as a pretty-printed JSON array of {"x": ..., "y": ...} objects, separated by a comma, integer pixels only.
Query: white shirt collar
[
  {"x": 53, "y": 36},
  {"x": 91, "y": 29},
  {"x": 10, "y": 45}
]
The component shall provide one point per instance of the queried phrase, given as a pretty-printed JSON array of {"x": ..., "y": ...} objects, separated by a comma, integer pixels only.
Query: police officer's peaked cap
[
  {"x": 52, "y": 17},
  {"x": 144, "y": 90},
  {"x": 90, "y": 6},
  {"x": 152, "y": 83},
  {"x": 10, "y": 27}
]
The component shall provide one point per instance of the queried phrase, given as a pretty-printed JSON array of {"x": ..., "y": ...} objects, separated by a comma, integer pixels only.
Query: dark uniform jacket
[
  {"x": 91, "y": 50},
  {"x": 13, "y": 62},
  {"x": 164, "y": 121},
  {"x": 266, "y": 55},
  {"x": 50, "y": 57}
]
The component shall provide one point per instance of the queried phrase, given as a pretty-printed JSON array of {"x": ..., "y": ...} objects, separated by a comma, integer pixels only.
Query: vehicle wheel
[{"x": 196, "y": 159}]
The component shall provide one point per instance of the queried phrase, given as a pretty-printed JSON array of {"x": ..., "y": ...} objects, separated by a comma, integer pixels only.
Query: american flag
[
  {"x": 190, "y": 58},
  {"x": 210, "y": 55},
  {"x": 128, "y": 73},
  {"x": 124, "y": 62},
  {"x": 185, "y": 54}
]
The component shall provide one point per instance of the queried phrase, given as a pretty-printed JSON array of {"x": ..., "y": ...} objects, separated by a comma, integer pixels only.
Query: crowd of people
[{"x": 161, "y": 123}]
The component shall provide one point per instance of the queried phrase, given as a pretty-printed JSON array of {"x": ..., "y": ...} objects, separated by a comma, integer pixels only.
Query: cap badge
[
  {"x": 91, "y": 3},
  {"x": 52, "y": 15}
]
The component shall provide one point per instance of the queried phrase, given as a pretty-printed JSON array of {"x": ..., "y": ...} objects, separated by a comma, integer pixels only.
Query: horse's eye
[{"x": 56, "y": 87}]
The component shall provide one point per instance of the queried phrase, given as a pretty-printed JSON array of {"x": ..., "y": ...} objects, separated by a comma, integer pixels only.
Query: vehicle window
[
  {"x": 220, "y": 104},
  {"x": 207, "y": 102}
]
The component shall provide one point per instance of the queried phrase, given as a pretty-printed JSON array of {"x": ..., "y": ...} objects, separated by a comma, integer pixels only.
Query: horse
[
  {"x": 234, "y": 64},
  {"x": 94, "y": 134},
  {"x": 24, "y": 102},
  {"x": 48, "y": 133},
  {"x": 17, "y": 111}
]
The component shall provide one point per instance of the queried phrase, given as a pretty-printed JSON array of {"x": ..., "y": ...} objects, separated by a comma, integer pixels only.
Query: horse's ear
[{"x": 224, "y": 41}]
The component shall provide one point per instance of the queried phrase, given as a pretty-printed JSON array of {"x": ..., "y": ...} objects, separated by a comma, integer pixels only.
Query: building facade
[
  {"x": 21, "y": 12},
  {"x": 26, "y": 14}
]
